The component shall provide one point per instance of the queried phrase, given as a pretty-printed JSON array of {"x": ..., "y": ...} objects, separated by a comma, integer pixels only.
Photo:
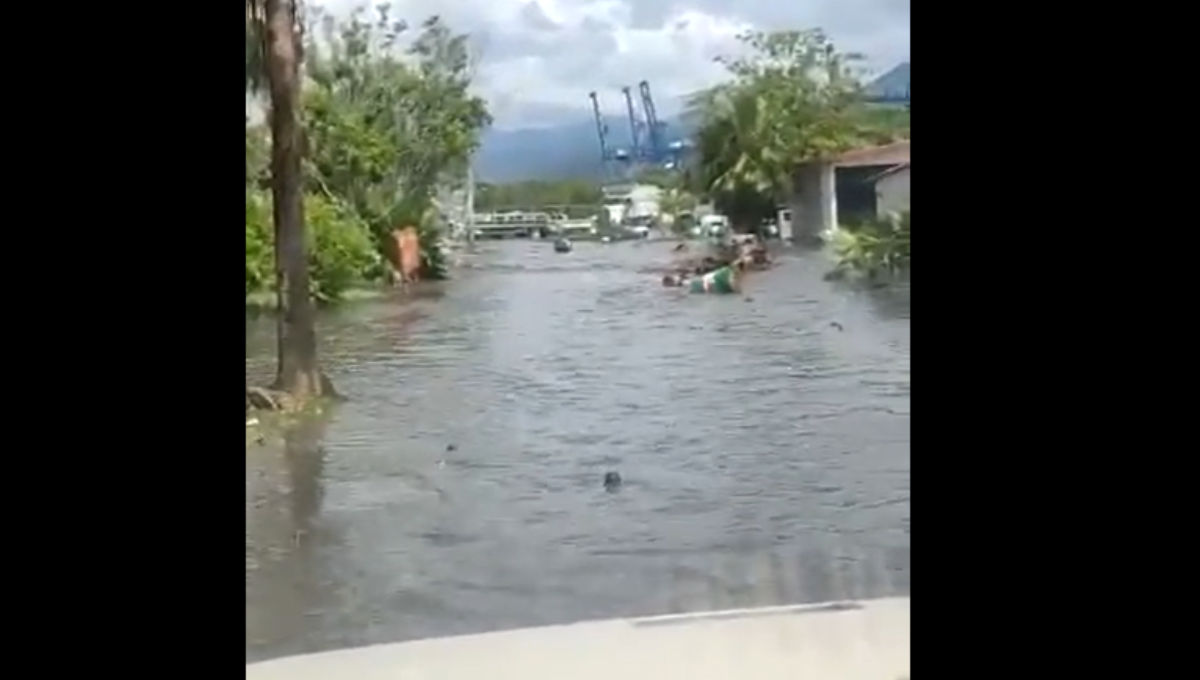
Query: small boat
[{"x": 562, "y": 245}]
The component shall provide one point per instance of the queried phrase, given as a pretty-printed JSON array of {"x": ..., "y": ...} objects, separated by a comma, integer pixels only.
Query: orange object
[{"x": 406, "y": 254}]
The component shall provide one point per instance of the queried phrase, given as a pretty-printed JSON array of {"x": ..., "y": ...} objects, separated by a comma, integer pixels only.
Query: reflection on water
[{"x": 765, "y": 452}]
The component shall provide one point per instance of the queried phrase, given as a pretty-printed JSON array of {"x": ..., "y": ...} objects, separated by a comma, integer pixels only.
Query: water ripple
[{"x": 765, "y": 453}]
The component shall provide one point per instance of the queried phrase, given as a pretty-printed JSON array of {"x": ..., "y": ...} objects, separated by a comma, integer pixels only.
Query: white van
[{"x": 714, "y": 226}]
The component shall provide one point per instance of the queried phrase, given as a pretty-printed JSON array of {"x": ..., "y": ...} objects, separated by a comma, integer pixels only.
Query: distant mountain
[
  {"x": 571, "y": 150},
  {"x": 568, "y": 151},
  {"x": 563, "y": 151},
  {"x": 893, "y": 83}
]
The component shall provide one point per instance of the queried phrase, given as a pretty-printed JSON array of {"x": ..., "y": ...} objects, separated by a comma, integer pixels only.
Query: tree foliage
[
  {"x": 882, "y": 124},
  {"x": 389, "y": 121},
  {"x": 561, "y": 195},
  {"x": 341, "y": 253},
  {"x": 258, "y": 157},
  {"x": 390, "y": 126},
  {"x": 791, "y": 99},
  {"x": 875, "y": 247}
]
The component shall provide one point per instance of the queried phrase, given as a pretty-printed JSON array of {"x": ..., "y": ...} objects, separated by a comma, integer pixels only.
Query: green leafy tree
[
  {"x": 573, "y": 197},
  {"x": 880, "y": 246},
  {"x": 882, "y": 124},
  {"x": 388, "y": 127},
  {"x": 260, "y": 259},
  {"x": 792, "y": 100},
  {"x": 258, "y": 158},
  {"x": 342, "y": 254}
]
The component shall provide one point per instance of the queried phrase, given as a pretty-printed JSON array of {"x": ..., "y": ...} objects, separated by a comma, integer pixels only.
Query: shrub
[
  {"x": 877, "y": 246},
  {"x": 341, "y": 253},
  {"x": 260, "y": 264}
]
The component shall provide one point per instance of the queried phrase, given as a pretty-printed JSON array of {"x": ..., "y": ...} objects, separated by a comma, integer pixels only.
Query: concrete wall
[
  {"x": 892, "y": 192},
  {"x": 813, "y": 201}
]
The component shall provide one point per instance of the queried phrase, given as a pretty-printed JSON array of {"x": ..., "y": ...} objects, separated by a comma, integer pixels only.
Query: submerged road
[{"x": 763, "y": 442}]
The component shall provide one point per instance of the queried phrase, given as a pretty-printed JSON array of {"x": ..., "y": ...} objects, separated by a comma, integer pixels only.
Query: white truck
[{"x": 712, "y": 226}]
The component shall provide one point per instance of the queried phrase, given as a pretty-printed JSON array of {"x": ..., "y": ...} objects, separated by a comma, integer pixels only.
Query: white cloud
[{"x": 540, "y": 58}]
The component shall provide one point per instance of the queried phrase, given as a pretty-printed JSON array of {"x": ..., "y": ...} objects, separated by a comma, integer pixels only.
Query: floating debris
[{"x": 612, "y": 481}]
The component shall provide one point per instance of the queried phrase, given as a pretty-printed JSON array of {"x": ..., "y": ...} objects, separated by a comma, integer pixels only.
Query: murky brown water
[{"x": 765, "y": 453}]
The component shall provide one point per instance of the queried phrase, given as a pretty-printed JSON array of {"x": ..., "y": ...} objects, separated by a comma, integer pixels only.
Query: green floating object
[{"x": 720, "y": 281}]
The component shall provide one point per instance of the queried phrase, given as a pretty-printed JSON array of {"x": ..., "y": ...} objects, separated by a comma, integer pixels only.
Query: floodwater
[{"x": 763, "y": 442}]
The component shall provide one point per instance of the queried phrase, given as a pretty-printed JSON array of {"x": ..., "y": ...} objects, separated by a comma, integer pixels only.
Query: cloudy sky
[{"x": 540, "y": 58}]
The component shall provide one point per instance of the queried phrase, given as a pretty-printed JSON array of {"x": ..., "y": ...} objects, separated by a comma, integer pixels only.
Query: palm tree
[
  {"x": 754, "y": 135},
  {"x": 273, "y": 55},
  {"x": 735, "y": 141},
  {"x": 741, "y": 160}
]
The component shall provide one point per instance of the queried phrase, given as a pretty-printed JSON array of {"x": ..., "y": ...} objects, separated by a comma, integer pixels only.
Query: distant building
[
  {"x": 892, "y": 190},
  {"x": 631, "y": 201},
  {"x": 822, "y": 190}
]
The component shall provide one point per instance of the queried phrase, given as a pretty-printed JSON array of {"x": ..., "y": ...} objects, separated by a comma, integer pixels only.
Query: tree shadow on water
[
  {"x": 304, "y": 459},
  {"x": 284, "y": 578}
]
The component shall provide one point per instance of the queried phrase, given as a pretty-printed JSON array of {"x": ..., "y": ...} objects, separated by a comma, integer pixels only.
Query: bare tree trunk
[{"x": 298, "y": 370}]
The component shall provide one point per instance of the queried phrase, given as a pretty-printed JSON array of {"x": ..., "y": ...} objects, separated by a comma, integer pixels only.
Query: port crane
[
  {"x": 656, "y": 130},
  {"x": 649, "y": 136},
  {"x": 636, "y": 127},
  {"x": 610, "y": 158}
]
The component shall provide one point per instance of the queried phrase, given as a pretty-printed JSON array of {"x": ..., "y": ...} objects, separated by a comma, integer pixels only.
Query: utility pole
[{"x": 469, "y": 211}]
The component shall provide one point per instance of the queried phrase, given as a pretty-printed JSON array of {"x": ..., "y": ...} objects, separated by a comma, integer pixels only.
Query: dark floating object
[
  {"x": 562, "y": 245},
  {"x": 612, "y": 481},
  {"x": 834, "y": 324},
  {"x": 451, "y": 447}
]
